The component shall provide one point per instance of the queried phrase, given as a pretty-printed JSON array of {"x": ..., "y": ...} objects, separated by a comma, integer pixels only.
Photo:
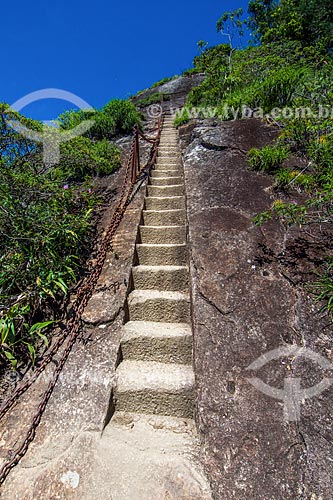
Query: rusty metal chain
[{"x": 83, "y": 296}]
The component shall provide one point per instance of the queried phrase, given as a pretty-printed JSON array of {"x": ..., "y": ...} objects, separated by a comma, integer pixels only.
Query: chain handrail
[{"x": 70, "y": 334}]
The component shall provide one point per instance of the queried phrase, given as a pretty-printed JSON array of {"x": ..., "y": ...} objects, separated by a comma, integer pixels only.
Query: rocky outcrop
[
  {"x": 247, "y": 301},
  {"x": 177, "y": 88}
]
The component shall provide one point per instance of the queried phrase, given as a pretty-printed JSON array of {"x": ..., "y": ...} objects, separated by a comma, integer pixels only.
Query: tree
[
  {"x": 261, "y": 18},
  {"x": 231, "y": 24},
  {"x": 307, "y": 21}
]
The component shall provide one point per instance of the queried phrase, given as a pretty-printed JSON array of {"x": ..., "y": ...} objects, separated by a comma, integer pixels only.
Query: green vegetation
[
  {"x": 154, "y": 85},
  {"x": 182, "y": 118},
  {"x": 324, "y": 288},
  {"x": 191, "y": 71},
  {"x": 307, "y": 21},
  {"x": 116, "y": 117},
  {"x": 46, "y": 221},
  {"x": 155, "y": 98},
  {"x": 163, "y": 81},
  {"x": 286, "y": 78},
  {"x": 268, "y": 159}
]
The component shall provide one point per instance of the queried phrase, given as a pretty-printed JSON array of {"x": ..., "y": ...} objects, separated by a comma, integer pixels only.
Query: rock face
[
  {"x": 178, "y": 88},
  {"x": 246, "y": 302}
]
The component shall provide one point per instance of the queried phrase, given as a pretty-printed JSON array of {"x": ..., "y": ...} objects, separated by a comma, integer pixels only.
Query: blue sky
[{"x": 99, "y": 49}]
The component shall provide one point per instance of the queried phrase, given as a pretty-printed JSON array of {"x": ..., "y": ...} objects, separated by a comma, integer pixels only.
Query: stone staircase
[
  {"x": 150, "y": 448},
  {"x": 155, "y": 375}
]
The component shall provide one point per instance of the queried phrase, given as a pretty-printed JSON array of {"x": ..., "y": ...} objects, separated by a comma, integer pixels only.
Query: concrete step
[
  {"x": 166, "y": 143},
  {"x": 161, "y": 255},
  {"x": 166, "y": 181},
  {"x": 152, "y": 277},
  {"x": 162, "y": 342},
  {"x": 169, "y": 147},
  {"x": 172, "y": 164},
  {"x": 155, "y": 305},
  {"x": 162, "y": 234},
  {"x": 164, "y": 217},
  {"x": 163, "y": 172},
  {"x": 163, "y": 191},
  {"x": 155, "y": 388},
  {"x": 169, "y": 160},
  {"x": 169, "y": 154},
  {"x": 167, "y": 203}
]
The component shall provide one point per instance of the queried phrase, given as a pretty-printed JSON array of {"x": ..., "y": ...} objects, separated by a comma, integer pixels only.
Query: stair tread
[
  {"x": 166, "y": 198},
  {"x": 134, "y": 329},
  {"x": 133, "y": 375},
  {"x": 167, "y": 177},
  {"x": 163, "y": 211},
  {"x": 144, "y": 267},
  {"x": 137, "y": 296},
  {"x": 160, "y": 228},
  {"x": 161, "y": 245}
]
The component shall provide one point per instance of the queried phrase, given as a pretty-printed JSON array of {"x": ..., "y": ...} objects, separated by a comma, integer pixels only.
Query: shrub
[
  {"x": 124, "y": 114},
  {"x": 323, "y": 287},
  {"x": 157, "y": 97},
  {"x": 268, "y": 159},
  {"x": 191, "y": 71},
  {"x": 116, "y": 117},
  {"x": 286, "y": 179},
  {"x": 182, "y": 118},
  {"x": 81, "y": 158},
  {"x": 163, "y": 81},
  {"x": 45, "y": 226}
]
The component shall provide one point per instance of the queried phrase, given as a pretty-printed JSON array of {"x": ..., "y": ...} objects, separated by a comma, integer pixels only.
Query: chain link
[{"x": 70, "y": 334}]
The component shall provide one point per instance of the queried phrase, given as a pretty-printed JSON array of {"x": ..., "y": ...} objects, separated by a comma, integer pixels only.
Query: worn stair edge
[
  {"x": 169, "y": 180},
  {"x": 162, "y": 234},
  {"x": 169, "y": 278},
  {"x": 165, "y": 203},
  {"x": 177, "y": 190},
  {"x": 176, "y": 217},
  {"x": 157, "y": 388},
  {"x": 157, "y": 305},
  {"x": 163, "y": 172},
  {"x": 162, "y": 342},
  {"x": 168, "y": 254}
]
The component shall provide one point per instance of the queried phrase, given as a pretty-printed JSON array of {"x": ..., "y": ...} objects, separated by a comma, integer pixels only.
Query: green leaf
[
  {"x": 61, "y": 284},
  {"x": 32, "y": 352},
  {"x": 11, "y": 358},
  {"x": 40, "y": 326},
  {"x": 44, "y": 338}
]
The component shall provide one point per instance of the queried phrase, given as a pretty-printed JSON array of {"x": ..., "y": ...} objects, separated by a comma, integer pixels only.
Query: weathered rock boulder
[{"x": 247, "y": 301}]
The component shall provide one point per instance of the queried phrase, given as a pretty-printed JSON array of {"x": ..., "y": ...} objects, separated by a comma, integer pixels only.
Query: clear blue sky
[{"x": 99, "y": 49}]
